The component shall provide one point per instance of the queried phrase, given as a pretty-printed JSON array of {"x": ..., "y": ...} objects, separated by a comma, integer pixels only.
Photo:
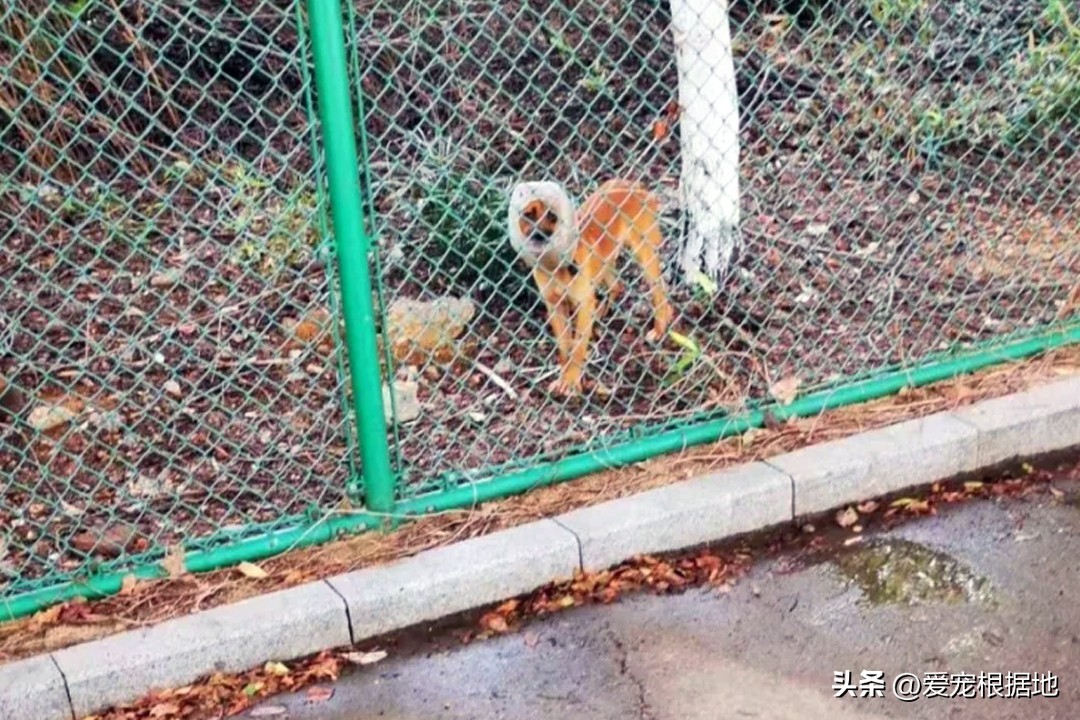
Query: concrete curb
[{"x": 83, "y": 679}]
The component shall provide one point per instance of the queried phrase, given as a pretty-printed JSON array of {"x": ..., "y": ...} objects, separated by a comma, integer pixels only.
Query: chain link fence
[
  {"x": 172, "y": 360},
  {"x": 907, "y": 180},
  {"x": 164, "y": 293}
]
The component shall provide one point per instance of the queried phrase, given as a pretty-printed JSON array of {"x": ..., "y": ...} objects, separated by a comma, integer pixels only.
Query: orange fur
[{"x": 619, "y": 213}]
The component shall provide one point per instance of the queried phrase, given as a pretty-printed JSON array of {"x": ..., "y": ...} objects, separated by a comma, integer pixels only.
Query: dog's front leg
[
  {"x": 555, "y": 290},
  {"x": 583, "y": 295}
]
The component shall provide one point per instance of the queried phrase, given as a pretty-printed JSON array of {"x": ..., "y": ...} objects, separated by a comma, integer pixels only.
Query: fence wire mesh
[
  {"x": 171, "y": 363},
  {"x": 164, "y": 295},
  {"x": 907, "y": 189}
]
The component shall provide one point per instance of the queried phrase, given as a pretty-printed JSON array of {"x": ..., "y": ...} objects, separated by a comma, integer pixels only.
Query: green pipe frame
[
  {"x": 353, "y": 245},
  {"x": 549, "y": 473}
]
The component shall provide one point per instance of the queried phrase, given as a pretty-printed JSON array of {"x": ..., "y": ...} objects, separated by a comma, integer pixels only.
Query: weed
[
  {"x": 462, "y": 218},
  {"x": 595, "y": 79},
  {"x": 275, "y": 230},
  {"x": 893, "y": 14},
  {"x": 1048, "y": 76}
]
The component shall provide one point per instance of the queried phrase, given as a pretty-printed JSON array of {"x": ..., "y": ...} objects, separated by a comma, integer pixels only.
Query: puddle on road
[{"x": 901, "y": 572}]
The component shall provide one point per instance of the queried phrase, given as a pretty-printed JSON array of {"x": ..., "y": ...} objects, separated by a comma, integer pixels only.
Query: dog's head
[
  {"x": 541, "y": 223},
  {"x": 538, "y": 222}
]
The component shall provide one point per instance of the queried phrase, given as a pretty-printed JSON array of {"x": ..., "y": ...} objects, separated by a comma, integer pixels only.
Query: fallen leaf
[
  {"x": 165, "y": 710},
  {"x": 46, "y": 617},
  {"x": 847, "y": 517},
  {"x": 113, "y": 542},
  {"x": 973, "y": 485},
  {"x": 276, "y": 668},
  {"x": 901, "y": 502},
  {"x": 494, "y": 622},
  {"x": 319, "y": 693},
  {"x": 366, "y": 658},
  {"x": 786, "y": 390},
  {"x": 659, "y": 130},
  {"x": 173, "y": 562},
  {"x": 166, "y": 279},
  {"x": 127, "y": 585},
  {"x": 1056, "y": 493},
  {"x": 313, "y": 327},
  {"x": 45, "y": 417},
  {"x": 868, "y": 507},
  {"x": 252, "y": 571},
  {"x": 251, "y": 689},
  {"x": 268, "y": 711},
  {"x": 508, "y": 607}
]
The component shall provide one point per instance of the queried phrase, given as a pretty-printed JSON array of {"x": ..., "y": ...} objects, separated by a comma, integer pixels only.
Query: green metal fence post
[{"x": 353, "y": 243}]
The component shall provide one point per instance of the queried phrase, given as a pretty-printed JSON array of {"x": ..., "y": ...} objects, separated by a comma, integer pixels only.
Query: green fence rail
[{"x": 258, "y": 287}]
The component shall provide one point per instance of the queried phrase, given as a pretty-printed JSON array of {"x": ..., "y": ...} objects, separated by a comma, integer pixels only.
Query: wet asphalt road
[{"x": 985, "y": 587}]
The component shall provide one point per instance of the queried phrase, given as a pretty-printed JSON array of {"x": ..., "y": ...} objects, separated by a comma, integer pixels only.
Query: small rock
[
  {"x": 48, "y": 192},
  {"x": 166, "y": 279},
  {"x": 395, "y": 256},
  {"x": 406, "y": 403},
  {"x": 847, "y": 517},
  {"x": 417, "y": 329},
  {"x": 149, "y": 488},
  {"x": 172, "y": 388},
  {"x": 105, "y": 421},
  {"x": 70, "y": 510},
  {"x": 46, "y": 417},
  {"x": 817, "y": 229}
]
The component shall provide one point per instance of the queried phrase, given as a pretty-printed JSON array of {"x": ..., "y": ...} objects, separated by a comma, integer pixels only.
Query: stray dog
[{"x": 573, "y": 253}]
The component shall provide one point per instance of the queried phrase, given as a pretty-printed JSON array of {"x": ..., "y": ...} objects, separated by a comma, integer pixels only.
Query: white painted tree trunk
[{"x": 709, "y": 126}]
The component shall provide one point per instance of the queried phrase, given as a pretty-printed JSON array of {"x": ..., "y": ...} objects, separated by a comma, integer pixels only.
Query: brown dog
[{"x": 572, "y": 254}]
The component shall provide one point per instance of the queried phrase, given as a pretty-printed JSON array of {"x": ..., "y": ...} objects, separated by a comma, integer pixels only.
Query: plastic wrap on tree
[{"x": 709, "y": 124}]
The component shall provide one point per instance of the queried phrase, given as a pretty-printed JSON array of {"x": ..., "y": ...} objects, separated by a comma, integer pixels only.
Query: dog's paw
[{"x": 565, "y": 388}]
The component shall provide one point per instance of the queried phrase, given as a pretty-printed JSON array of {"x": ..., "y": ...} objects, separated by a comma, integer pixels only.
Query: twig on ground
[{"x": 497, "y": 379}]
